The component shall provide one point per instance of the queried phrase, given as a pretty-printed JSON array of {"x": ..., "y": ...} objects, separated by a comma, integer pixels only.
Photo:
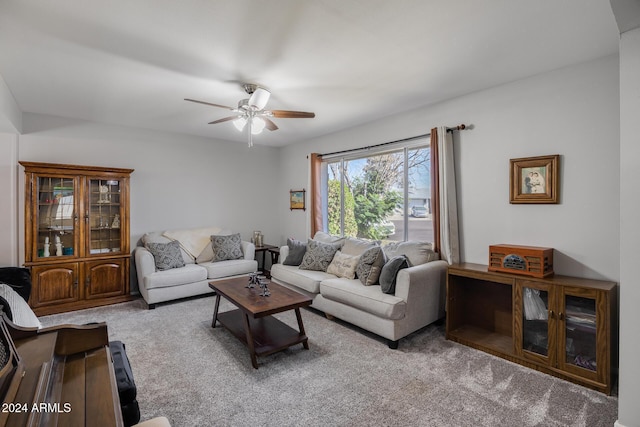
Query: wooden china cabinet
[{"x": 77, "y": 243}]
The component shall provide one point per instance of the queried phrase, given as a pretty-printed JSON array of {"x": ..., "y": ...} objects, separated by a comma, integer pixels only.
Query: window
[{"x": 381, "y": 196}]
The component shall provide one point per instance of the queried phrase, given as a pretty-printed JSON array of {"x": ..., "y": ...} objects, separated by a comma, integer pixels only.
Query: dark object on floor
[
  {"x": 18, "y": 278},
  {"x": 126, "y": 386}
]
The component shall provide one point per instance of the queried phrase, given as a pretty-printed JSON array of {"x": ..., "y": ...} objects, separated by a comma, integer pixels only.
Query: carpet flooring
[{"x": 199, "y": 376}]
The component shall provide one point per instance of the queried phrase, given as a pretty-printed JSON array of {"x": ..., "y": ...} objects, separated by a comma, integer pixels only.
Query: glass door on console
[
  {"x": 57, "y": 214},
  {"x": 104, "y": 216},
  {"x": 580, "y": 332},
  {"x": 536, "y": 321}
]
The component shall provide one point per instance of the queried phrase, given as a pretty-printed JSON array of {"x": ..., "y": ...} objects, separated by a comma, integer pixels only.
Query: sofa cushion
[
  {"x": 176, "y": 276},
  {"x": 318, "y": 255},
  {"x": 343, "y": 265},
  {"x": 207, "y": 253},
  {"x": 370, "y": 265},
  {"x": 417, "y": 252},
  {"x": 16, "y": 308},
  {"x": 192, "y": 240},
  {"x": 323, "y": 237},
  {"x": 390, "y": 272},
  {"x": 353, "y": 246},
  {"x": 233, "y": 267},
  {"x": 226, "y": 247},
  {"x": 308, "y": 280},
  {"x": 297, "y": 250},
  {"x": 157, "y": 237},
  {"x": 166, "y": 255},
  {"x": 366, "y": 298}
]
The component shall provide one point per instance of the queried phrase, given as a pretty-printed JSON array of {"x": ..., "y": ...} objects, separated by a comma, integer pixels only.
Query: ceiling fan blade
[
  {"x": 269, "y": 123},
  {"x": 208, "y": 103},
  {"x": 284, "y": 114},
  {"x": 226, "y": 119},
  {"x": 259, "y": 98}
]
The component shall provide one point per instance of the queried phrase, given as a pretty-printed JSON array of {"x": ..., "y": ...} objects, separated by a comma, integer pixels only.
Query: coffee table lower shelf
[{"x": 269, "y": 335}]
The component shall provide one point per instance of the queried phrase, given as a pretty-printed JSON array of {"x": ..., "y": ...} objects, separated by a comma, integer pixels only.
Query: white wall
[
  {"x": 573, "y": 112},
  {"x": 179, "y": 181},
  {"x": 8, "y": 207},
  {"x": 10, "y": 114},
  {"x": 629, "y": 388}
]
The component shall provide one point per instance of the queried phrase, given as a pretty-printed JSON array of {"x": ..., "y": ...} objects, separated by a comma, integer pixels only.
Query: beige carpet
[{"x": 199, "y": 376}]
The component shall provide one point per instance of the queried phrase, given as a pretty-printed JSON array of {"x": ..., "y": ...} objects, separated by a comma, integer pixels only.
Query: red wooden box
[{"x": 526, "y": 260}]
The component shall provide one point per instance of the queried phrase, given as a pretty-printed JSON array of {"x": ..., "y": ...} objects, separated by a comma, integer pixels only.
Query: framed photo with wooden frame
[
  {"x": 534, "y": 180},
  {"x": 296, "y": 199}
]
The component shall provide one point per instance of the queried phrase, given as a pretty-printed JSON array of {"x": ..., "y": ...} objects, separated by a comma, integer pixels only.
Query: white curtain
[{"x": 449, "y": 240}]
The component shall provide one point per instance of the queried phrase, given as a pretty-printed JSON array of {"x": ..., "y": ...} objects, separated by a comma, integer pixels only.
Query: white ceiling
[{"x": 349, "y": 61}]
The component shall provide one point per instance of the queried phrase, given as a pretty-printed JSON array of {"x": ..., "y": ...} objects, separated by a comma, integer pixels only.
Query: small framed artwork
[
  {"x": 296, "y": 199},
  {"x": 534, "y": 180}
]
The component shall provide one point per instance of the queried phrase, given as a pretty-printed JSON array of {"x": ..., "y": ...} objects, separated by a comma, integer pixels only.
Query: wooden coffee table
[{"x": 253, "y": 323}]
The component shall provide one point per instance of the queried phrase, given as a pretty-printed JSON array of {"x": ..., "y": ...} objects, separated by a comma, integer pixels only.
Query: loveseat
[
  {"x": 393, "y": 290},
  {"x": 177, "y": 264}
]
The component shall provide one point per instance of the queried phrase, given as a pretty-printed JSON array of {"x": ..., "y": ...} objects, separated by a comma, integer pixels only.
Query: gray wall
[
  {"x": 629, "y": 389},
  {"x": 178, "y": 182},
  {"x": 573, "y": 112}
]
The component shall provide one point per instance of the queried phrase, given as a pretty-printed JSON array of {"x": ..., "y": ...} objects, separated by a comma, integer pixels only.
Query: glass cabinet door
[
  {"x": 57, "y": 212},
  {"x": 535, "y": 320},
  {"x": 104, "y": 216},
  {"x": 580, "y": 328}
]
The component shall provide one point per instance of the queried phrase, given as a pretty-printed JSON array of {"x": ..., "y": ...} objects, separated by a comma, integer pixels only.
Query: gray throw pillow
[
  {"x": 166, "y": 255},
  {"x": 370, "y": 265},
  {"x": 297, "y": 250},
  {"x": 226, "y": 247},
  {"x": 318, "y": 255},
  {"x": 389, "y": 273}
]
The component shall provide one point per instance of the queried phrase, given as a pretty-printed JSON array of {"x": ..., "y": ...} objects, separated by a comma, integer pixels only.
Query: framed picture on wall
[
  {"x": 534, "y": 180},
  {"x": 296, "y": 199}
]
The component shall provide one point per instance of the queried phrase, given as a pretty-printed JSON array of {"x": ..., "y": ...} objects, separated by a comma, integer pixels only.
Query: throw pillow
[
  {"x": 207, "y": 253},
  {"x": 343, "y": 265},
  {"x": 389, "y": 273},
  {"x": 354, "y": 246},
  {"x": 16, "y": 308},
  {"x": 166, "y": 255},
  {"x": 318, "y": 255},
  {"x": 226, "y": 247},
  {"x": 369, "y": 266},
  {"x": 416, "y": 252},
  {"x": 297, "y": 250}
]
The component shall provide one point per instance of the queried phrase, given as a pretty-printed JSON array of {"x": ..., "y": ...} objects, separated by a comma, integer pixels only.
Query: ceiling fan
[{"x": 251, "y": 113}]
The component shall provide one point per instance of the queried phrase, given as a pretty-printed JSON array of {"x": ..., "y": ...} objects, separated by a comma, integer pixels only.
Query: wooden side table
[
  {"x": 275, "y": 255},
  {"x": 262, "y": 250}
]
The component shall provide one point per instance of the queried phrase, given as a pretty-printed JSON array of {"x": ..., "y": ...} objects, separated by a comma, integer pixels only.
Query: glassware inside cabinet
[
  {"x": 56, "y": 214},
  {"x": 535, "y": 321},
  {"x": 580, "y": 324},
  {"x": 104, "y": 216}
]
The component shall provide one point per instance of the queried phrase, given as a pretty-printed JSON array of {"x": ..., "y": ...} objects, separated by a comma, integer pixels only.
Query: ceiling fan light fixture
[
  {"x": 240, "y": 123},
  {"x": 259, "y": 98},
  {"x": 257, "y": 125}
]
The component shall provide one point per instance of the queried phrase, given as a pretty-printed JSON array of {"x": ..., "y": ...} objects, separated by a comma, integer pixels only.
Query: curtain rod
[{"x": 426, "y": 135}]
